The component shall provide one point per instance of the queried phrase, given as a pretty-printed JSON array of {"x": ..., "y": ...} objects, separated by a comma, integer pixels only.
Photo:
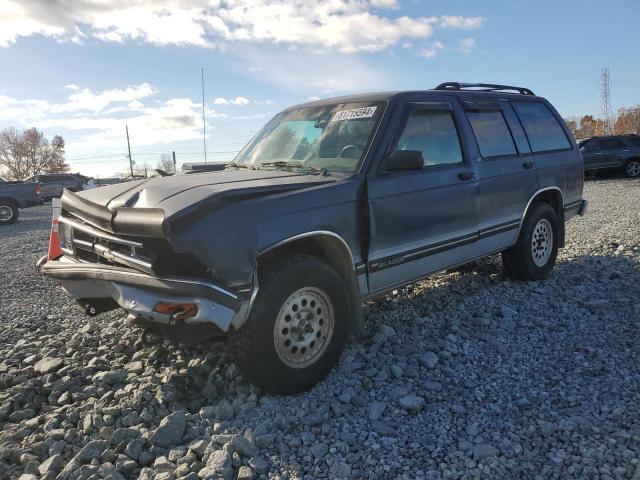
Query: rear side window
[
  {"x": 590, "y": 146},
  {"x": 612, "y": 144},
  {"x": 492, "y": 133},
  {"x": 541, "y": 126},
  {"x": 433, "y": 133}
]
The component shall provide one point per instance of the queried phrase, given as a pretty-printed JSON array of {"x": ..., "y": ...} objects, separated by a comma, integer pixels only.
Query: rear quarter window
[
  {"x": 541, "y": 126},
  {"x": 492, "y": 133},
  {"x": 634, "y": 141}
]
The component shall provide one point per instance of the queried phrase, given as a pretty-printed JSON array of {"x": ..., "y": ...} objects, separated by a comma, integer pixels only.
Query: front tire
[
  {"x": 632, "y": 168},
  {"x": 297, "y": 327},
  {"x": 8, "y": 212},
  {"x": 534, "y": 254}
]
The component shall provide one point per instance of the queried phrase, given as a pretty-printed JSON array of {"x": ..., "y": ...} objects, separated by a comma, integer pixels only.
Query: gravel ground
[{"x": 464, "y": 375}]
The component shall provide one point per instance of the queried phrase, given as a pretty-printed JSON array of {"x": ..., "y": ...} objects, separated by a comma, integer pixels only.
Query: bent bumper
[{"x": 139, "y": 293}]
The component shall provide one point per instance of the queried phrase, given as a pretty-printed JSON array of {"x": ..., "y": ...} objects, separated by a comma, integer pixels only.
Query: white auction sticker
[{"x": 365, "y": 112}]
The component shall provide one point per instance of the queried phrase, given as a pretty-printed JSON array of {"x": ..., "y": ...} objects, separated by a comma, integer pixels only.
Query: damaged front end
[{"x": 121, "y": 258}]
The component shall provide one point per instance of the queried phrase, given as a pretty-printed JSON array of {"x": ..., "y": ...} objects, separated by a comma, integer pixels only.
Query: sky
[{"x": 85, "y": 69}]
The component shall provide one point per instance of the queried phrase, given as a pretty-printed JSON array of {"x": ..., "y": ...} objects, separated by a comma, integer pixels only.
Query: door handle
[
  {"x": 464, "y": 176},
  {"x": 528, "y": 164}
]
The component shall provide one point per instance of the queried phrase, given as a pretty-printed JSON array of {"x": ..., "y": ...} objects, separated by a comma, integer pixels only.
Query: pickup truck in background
[{"x": 14, "y": 196}]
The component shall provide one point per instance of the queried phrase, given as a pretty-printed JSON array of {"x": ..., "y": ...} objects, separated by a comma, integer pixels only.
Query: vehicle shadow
[{"x": 476, "y": 303}]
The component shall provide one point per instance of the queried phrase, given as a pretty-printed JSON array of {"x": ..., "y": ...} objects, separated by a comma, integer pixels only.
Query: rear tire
[
  {"x": 9, "y": 212},
  {"x": 297, "y": 327},
  {"x": 534, "y": 254},
  {"x": 632, "y": 168}
]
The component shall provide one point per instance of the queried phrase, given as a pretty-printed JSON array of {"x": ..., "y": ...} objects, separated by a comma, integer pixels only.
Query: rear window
[
  {"x": 542, "y": 127},
  {"x": 492, "y": 133}
]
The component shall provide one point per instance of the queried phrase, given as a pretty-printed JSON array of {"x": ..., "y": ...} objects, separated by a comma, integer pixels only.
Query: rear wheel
[
  {"x": 296, "y": 329},
  {"x": 8, "y": 212},
  {"x": 534, "y": 254},
  {"x": 632, "y": 168}
]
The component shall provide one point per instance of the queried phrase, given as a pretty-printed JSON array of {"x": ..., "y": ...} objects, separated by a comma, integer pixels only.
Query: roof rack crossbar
[{"x": 483, "y": 87}]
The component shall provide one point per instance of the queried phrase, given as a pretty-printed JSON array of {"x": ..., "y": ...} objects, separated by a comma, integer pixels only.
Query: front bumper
[
  {"x": 32, "y": 202},
  {"x": 139, "y": 293}
]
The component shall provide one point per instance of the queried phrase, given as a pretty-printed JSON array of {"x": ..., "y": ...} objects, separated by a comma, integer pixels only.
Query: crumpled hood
[{"x": 176, "y": 193}]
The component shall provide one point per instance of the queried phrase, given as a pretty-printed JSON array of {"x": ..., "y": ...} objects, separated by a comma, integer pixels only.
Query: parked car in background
[
  {"x": 14, "y": 196},
  {"x": 612, "y": 152},
  {"x": 101, "y": 182},
  {"x": 332, "y": 203},
  {"x": 52, "y": 184}
]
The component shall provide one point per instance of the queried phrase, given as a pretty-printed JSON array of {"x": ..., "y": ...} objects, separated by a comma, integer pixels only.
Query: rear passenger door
[
  {"x": 613, "y": 152},
  {"x": 426, "y": 220},
  {"x": 558, "y": 160},
  {"x": 506, "y": 169}
]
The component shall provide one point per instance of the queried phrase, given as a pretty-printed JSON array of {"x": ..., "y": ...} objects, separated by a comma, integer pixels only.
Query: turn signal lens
[{"x": 177, "y": 311}]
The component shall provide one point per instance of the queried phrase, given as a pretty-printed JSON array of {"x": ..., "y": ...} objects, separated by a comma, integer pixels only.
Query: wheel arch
[
  {"x": 554, "y": 197},
  {"x": 329, "y": 247}
]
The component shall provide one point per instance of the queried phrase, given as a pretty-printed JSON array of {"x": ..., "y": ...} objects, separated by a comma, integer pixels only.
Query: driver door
[{"x": 423, "y": 221}]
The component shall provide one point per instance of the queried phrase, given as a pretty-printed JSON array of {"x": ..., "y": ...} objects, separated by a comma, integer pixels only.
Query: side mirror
[{"x": 402, "y": 160}]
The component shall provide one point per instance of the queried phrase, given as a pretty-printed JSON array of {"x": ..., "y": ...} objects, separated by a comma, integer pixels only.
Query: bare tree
[
  {"x": 590, "y": 127},
  {"x": 28, "y": 152},
  {"x": 165, "y": 163},
  {"x": 572, "y": 125},
  {"x": 628, "y": 121},
  {"x": 56, "y": 163}
]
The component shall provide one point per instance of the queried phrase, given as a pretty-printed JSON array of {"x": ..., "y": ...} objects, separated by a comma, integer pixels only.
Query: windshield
[{"x": 330, "y": 138}]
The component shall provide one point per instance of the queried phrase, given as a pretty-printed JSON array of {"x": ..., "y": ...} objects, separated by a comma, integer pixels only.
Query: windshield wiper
[
  {"x": 281, "y": 163},
  {"x": 241, "y": 165}
]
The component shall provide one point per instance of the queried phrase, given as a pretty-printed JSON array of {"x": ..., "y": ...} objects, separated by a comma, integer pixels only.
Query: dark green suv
[{"x": 620, "y": 152}]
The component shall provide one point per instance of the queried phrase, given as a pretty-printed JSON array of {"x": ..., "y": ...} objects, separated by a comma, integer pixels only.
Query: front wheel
[
  {"x": 297, "y": 327},
  {"x": 534, "y": 254},
  {"x": 632, "y": 168},
  {"x": 8, "y": 212}
]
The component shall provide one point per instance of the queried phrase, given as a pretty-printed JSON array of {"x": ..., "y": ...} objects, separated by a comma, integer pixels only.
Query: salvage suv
[{"x": 333, "y": 203}]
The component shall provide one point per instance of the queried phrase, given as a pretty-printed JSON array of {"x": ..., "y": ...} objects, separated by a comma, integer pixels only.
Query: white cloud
[
  {"x": 432, "y": 50},
  {"x": 340, "y": 25},
  {"x": 463, "y": 23},
  {"x": 240, "y": 101},
  {"x": 72, "y": 86},
  {"x": 85, "y": 99},
  {"x": 385, "y": 3},
  {"x": 466, "y": 45}
]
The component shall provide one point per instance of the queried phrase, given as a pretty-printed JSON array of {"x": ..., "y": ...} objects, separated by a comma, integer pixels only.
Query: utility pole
[
  {"x": 204, "y": 123},
  {"x": 605, "y": 106},
  {"x": 173, "y": 154},
  {"x": 129, "y": 147}
]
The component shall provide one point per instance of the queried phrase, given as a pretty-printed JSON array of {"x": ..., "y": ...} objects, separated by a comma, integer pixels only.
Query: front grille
[{"x": 89, "y": 244}]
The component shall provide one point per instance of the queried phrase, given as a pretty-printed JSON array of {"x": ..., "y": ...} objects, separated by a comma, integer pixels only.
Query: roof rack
[{"x": 482, "y": 87}]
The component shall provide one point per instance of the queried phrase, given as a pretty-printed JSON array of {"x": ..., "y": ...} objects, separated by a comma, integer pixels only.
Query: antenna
[
  {"x": 204, "y": 122},
  {"x": 129, "y": 147},
  {"x": 605, "y": 105}
]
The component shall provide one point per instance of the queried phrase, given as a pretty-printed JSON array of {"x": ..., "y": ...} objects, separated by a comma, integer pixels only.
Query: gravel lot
[{"x": 465, "y": 375}]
